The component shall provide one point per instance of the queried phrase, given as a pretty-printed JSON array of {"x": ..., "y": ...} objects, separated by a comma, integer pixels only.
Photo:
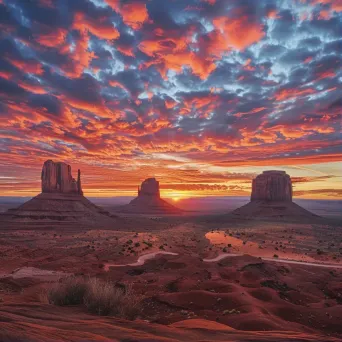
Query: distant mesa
[
  {"x": 271, "y": 198},
  {"x": 61, "y": 198},
  {"x": 149, "y": 188},
  {"x": 149, "y": 201}
]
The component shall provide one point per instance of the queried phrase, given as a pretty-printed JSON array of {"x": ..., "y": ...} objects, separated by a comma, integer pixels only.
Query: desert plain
[{"x": 199, "y": 278}]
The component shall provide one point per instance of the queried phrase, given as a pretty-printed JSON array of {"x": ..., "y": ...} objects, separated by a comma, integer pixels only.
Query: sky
[{"x": 201, "y": 94}]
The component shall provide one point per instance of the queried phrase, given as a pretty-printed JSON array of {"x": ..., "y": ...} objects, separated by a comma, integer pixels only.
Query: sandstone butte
[
  {"x": 149, "y": 201},
  {"x": 271, "y": 198},
  {"x": 149, "y": 187},
  {"x": 57, "y": 178},
  {"x": 61, "y": 199},
  {"x": 272, "y": 186}
]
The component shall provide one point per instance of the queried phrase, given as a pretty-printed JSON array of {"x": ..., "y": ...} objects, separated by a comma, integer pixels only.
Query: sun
[{"x": 176, "y": 199}]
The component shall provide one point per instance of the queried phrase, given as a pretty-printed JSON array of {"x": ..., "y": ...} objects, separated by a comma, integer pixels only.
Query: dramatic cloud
[{"x": 202, "y": 94}]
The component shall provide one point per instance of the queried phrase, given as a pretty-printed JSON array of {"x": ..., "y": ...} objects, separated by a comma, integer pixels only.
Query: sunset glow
[{"x": 201, "y": 94}]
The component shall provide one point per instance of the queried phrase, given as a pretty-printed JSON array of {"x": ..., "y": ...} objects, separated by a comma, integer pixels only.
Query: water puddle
[
  {"x": 219, "y": 237},
  {"x": 241, "y": 245}
]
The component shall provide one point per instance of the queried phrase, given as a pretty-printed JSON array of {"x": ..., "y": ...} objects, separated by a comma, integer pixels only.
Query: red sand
[{"x": 184, "y": 297}]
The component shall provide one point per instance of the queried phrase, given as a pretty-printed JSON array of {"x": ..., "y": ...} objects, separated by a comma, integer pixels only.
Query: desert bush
[
  {"x": 98, "y": 296},
  {"x": 69, "y": 291},
  {"x": 130, "y": 304},
  {"x": 102, "y": 298}
]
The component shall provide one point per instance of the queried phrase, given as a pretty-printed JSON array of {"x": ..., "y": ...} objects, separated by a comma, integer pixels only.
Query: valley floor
[{"x": 184, "y": 297}]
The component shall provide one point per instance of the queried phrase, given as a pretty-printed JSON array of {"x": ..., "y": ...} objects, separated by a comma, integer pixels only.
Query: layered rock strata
[
  {"x": 272, "y": 186},
  {"x": 57, "y": 178}
]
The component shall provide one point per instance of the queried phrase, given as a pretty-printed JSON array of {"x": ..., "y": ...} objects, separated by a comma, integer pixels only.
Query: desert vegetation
[{"x": 98, "y": 296}]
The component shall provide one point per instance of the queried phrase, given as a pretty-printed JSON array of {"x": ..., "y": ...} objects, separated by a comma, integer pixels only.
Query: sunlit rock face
[
  {"x": 149, "y": 187},
  {"x": 272, "y": 186},
  {"x": 57, "y": 178}
]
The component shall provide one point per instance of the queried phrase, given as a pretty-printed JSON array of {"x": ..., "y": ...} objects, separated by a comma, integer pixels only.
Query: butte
[
  {"x": 272, "y": 199},
  {"x": 61, "y": 199},
  {"x": 149, "y": 201}
]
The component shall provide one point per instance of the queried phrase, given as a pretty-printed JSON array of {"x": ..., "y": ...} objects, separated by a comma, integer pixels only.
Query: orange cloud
[
  {"x": 248, "y": 65},
  {"x": 286, "y": 94},
  {"x": 335, "y": 5},
  {"x": 5, "y": 74},
  {"x": 81, "y": 57},
  {"x": 30, "y": 66},
  {"x": 160, "y": 46},
  {"x": 170, "y": 51},
  {"x": 211, "y": 2},
  {"x": 217, "y": 45},
  {"x": 134, "y": 14},
  {"x": 324, "y": 15},
  {"x": 53, "y": 38},
  {"x": 119, "y": 85},
  {"x": 239, "y": 32},
  {"x": 272, "y": 14},
  {"x": 169, "y": 104},
  {"x": 33, "y": 88},
  {"x": 253, "y": 111},
  {"x": 114, "y": 4},
  {"x": 325, "y": 74},
  {"x": 176, "y": 62},
  {"x": 126, "y": 50},
  {"x": 98, "y": 29}
]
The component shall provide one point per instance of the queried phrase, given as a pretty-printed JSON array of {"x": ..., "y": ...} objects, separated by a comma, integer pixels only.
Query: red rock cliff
[
  {"x": 272, "y": 186},
  {"x": 56, "y": 177}
]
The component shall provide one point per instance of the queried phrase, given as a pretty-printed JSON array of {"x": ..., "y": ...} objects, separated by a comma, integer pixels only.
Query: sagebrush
[{"x": 98, "y": 296}]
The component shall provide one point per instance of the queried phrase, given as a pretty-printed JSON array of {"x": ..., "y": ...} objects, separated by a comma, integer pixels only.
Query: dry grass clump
[
  {"x": 69, "y": 291},
  {"x": 98, "y": 296}
]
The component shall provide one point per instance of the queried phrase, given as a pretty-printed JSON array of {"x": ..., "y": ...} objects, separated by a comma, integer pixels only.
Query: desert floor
[{"x": 185, "y": 296}]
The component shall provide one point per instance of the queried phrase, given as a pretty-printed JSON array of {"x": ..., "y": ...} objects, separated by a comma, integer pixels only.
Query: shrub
[
  {"x": 102, "y": 298},
  {"x": 130, "y": 304},
  {"x": 149, "y": 244},
  {"x": 70, "y": 291},
  {"x": 98, "y": 296}
]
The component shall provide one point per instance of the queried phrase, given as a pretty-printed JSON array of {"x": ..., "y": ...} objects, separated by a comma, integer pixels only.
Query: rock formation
[
  {"x": 61, "y": 199},
  {"x": 271, "y": 198},
  {"x": 57, "y": 178},
  {"x": 272, "y": 186},
  {"x": 149, "y": 202},
  {"x": 149, "y": 187}
]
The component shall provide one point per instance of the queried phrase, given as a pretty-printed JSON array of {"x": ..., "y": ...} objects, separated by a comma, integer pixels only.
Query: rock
[
  {"x": 149, "y": 202},
  {"x": 57, "y": 178},
  {"x": 61, "y": 200},
  {"x": 271, "y": 199},
  {"x": 149, "y": 187},
  {"x": 272, "y": 186}
]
